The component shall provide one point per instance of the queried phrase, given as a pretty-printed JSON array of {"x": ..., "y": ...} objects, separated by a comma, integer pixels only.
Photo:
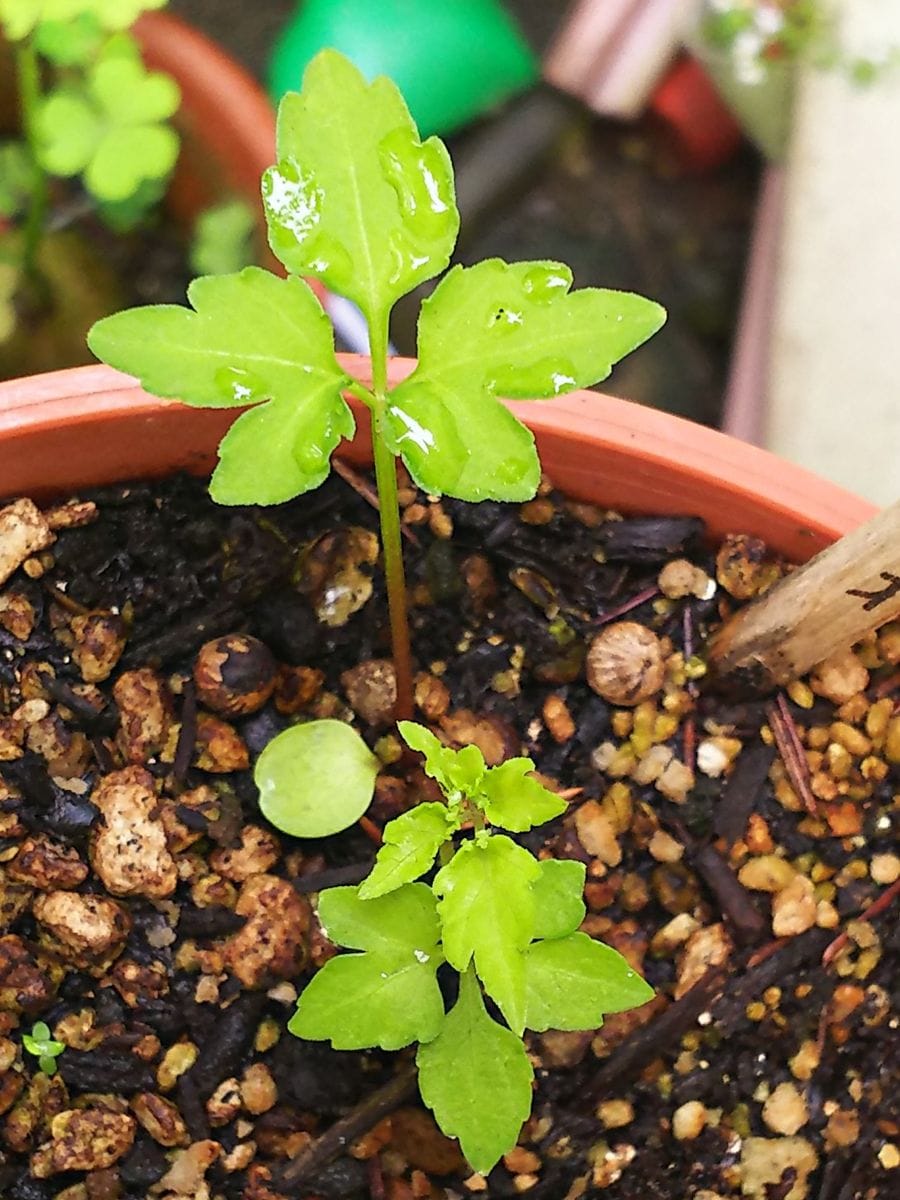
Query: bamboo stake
[{"x": 838, "y": 597}]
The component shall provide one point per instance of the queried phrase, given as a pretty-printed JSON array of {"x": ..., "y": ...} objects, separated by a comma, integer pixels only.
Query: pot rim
[{"x": 595, "y": 447}]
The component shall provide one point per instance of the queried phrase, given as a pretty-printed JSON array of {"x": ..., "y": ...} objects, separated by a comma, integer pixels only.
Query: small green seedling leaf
[
  {"x": 558, "y": 898},
  {"x": 359, "y": 1000},
  {"x": 457, "y": 771},
  {"x": 572, "y": 982},
  {"x": 9, "y": 281},
  {"x": 41, "y": 1044},
  {"x": 253, "y": 337},
  {"x": 72, "y": 43},
  {"x": 399, "y": 926},
  {"x": 315, "y": 779},
  {"x": 513, "y": 800},
  {"x": 411, "y": 842},
  {"x": 223, "y": 239},
  {"x": 20, "y": 17},
  {"x": 113, "y": 130},
  {"x": 356, "y": 199},
  {"x": 476, "y": 1078},
  {"x": 487, "y": 912},
  {"x": 499, "y": 329}
]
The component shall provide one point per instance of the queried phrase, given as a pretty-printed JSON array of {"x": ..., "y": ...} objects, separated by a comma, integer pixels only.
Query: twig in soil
[
  {"x": 363, "y": 488},
  {"x": 102, "y": 756},
  {"x": 358, "y": 1121},
  {"x": 689, "y": 742},
  {"x": 770, "y": 965},
  {"x": 318, "y": 881},
  {"x": 875, "y": 909},
  {"x": 653, "y": 1040},
  {"x": 884, "y": 687},
  {"x": 183, "y": 639},
  {"x": 66, "y": 602},
  {"x": 376, "y": 1179},
  {"x": 649, "y": 593},
  {"x": 187, "y": 734},
  {"x": 734, "y": 899},
  {"x": 742, "y": 791},
  {"x": 93, "y": 720},
  {"x": 371, "y": 830},
  {"x": 791, "y": 750}
]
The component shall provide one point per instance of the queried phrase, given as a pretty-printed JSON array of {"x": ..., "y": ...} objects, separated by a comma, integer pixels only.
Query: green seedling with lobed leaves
[
  {"x": 504, "y": 921},
  {"x": 89, "y": 110},
  {"x": 358, "y": 201},
  {"x": 40, "y": 1043}
]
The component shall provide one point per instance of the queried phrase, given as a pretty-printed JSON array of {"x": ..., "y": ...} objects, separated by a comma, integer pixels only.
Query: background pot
[
  {"x": 92, "y": 425},
  {"x": 227, "y": 127}
]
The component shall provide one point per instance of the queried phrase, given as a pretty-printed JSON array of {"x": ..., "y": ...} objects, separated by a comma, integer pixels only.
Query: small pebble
[
  {"x": 689, "y": 1121},
  {"x": 785, "y": 1110}
]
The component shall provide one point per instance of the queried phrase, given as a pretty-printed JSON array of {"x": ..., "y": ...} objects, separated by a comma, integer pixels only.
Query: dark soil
[{"x": 503, "y": 612}]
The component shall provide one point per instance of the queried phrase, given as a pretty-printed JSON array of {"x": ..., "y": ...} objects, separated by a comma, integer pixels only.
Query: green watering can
[{"x": 451, "y": 59}]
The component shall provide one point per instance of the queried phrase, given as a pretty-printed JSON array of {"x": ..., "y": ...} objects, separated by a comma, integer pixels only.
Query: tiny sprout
[{"x": 43, "y": 1047}]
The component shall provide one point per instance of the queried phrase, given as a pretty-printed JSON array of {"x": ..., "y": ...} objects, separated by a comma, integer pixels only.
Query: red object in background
[{"x": 704, "y": 131}]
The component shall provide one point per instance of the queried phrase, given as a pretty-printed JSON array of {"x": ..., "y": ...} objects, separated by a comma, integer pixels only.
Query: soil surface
[
  {"x": 612, "y": 200},
  {"x": 161, "y": 928}
]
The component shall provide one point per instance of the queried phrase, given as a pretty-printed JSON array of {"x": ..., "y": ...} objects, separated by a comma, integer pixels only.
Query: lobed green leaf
[
  {"x": 476, "y": 1078},
  {"x": 356, "y": 199},
  {"x": 315, "y": 779},
  {"x": 411, "y": 842},
  {"x": 572, "y": 982},
  {"x": 252, "y": 337},
  {"x": 512, "y": 799},
  {"x": 398, "y": 927},
  {"x": 454, "y": 770},
  {"x": 361, "y": 1000},
  {"x": 558, "y": 898},
  {"x": 487, "y": 912},
  {"x": 499, "y": 329}
]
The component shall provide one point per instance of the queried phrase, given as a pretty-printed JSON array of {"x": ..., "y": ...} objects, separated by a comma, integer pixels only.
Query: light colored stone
[
  {"x": 785, "y": 1110},
  {"x": 764, "y": 1161},
  {"x": 689, "y": 1121},
  {"x": 794, "y": 908}
]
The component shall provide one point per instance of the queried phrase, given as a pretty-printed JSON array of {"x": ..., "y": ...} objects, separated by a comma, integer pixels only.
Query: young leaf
[
  {"x": 360, "y": 1000},
  {"x": 573, "y": 981},
  {"x": 315, "y": 779},
  {"x": 411, "y": 842},
  {"x": 558, "y": 898},
  {"x": 253, "y": 337},
  {"x": 113, "y": 130},
  {"x": 356, "y": 199},
  {"x": 487, "y": 911},
  {"x": 513, "y": 800},
  {"x": 476, "y": 1078},
  {"x": 499, "y": 329},
  {"x": 72, "y": 43},
  {"x": 400, "y": 926},
  {"x": 455, "y": 770}
]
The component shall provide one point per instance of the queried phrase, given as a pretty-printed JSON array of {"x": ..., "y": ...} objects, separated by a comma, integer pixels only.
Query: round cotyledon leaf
[{"x": 315, "y": 779}]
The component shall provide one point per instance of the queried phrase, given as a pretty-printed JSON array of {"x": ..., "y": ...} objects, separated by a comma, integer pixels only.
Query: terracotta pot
[{"x": 91, "y": 425}]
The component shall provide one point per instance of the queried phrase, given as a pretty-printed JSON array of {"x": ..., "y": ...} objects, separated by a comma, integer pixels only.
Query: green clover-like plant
[
  {"x": 504, "y": 921},
  {"x": 223, "y": 239},
  {"x": 113, "y": 130},
  {"x": 40, "y": 1043},
  {"x": 360, "y": 202},
  {"x": 88, "y": 108}
]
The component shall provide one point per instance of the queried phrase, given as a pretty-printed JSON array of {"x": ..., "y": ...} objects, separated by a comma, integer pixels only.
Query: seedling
[
  {"x": 358, "y": 201},
  {"x": 43, "y": 1047},
  {"x": 101, "y": 117},
  {"x": 502, "y": 920}
]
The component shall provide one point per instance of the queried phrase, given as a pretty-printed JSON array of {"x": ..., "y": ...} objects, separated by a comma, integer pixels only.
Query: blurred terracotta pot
[{"x": 91, "y": 425}]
